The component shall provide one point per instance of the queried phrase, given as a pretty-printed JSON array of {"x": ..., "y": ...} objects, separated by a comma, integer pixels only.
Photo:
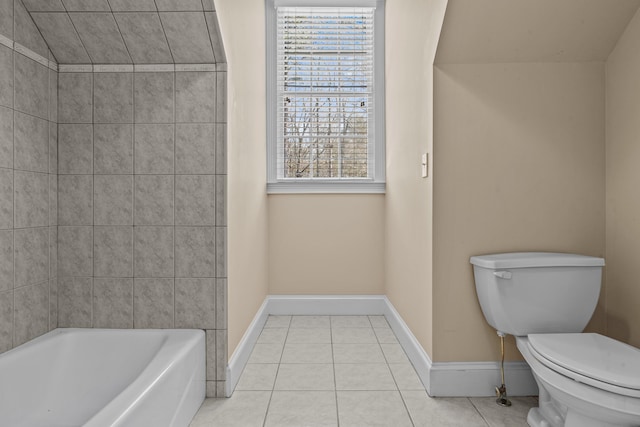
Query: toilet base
[{"x": 535, "y": 419}]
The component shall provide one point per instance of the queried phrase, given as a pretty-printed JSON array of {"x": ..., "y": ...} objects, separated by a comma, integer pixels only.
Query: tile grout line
[
  {"x": 266, "y": 414},
  {"x": 335, "y": 380},
  {"x": 133, "y": 199},
  {"x": 404, "y": 404},
  {"x": 488, "y": 424}
]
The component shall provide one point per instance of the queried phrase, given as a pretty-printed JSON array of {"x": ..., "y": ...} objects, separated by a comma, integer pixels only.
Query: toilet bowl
[{"x": 546, "y": 300}]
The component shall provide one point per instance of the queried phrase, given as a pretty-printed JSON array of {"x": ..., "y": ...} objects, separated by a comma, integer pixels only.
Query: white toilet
[{"x": 546, "y": 300}]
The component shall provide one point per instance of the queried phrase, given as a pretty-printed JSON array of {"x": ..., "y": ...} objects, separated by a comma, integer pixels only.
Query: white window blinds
[{"x": 325, "y": 93}]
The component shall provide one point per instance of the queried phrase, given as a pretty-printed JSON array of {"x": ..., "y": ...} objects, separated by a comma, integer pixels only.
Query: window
[{"x": 325, "y": 96}]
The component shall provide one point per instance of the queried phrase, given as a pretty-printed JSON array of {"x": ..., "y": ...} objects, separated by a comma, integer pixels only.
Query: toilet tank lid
[{"x": 535, "y": 259}]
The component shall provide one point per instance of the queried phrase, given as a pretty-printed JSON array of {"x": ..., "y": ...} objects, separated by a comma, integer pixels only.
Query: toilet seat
[{"x": 592, "y": 359}]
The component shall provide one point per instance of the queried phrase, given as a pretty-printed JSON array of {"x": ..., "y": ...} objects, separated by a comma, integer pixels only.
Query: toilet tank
[{"x": 537, "y": 292}]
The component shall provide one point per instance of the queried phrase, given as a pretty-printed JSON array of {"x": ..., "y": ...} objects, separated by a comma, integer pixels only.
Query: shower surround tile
[
  {"x": 31, "y": 199},
  {"x": 195, "y": 200},
  {"x": 153, "y": 303},
  {"x": 74, "y": 302},
  {"x": 194, "y": 299},
  {"x": 113, "y": 303},
  {"x": 6, "y": 198},
  {"x": 145, "y": 39},
  {"x": 6, "y": 320},
  {"x": 141, "y": 201},
  {"x": 25, "y": 31},
  {"x": 113, "y": 199},
  {"x": 133, "y": 5},
  {"x": 6, "y": 75},
  {"x": 62, "y": 36},
  {"x": 6, "y": 137},
  {"x": 6, "y": 18},
  {"x": 31, "y": 246},
  {"x": 100, "y": 36},
  {"x": 195, "y": 148},
  {"x": 31, "y": 143},
  {"x": 154, "y": 149},
  {"x": 154, "y": 97},
  {"x": 195, "y": 97},
  {"x": 75, "y": 97},
  {"x": 187, "y": 35},
  {"x": 75, "y": 149},
  {"x": 86, "y": 5},
  {"x": 31, "y": 312},
  {"x": 43, "y": 5},
  {"x": 75, "y": 251},
  {"x": 28, "y": 190},
  {"x": 113, "y": 252},
  {"x": 75, "y": 199},
  {"x": 53, "y": 148},
  {"x": 31, "y": 87},
  {"x": 113, "y": 148},
  {"x": 179, "y": 5},
  {"x": 154, "y": 199},
  {"x": 6, "y": 260},
  {"x": 153, "y": 255},
  {"x": 195, "y": 252},
  {"x": 113, "y": 98}
]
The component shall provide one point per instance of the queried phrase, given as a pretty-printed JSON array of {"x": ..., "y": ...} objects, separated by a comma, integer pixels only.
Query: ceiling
[
  {"x": 129, "y": 31},
  {"x": 486, "y": 31}
]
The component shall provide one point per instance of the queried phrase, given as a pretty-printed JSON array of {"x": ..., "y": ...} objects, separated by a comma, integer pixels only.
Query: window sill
[{"x": 341, "y": 187}]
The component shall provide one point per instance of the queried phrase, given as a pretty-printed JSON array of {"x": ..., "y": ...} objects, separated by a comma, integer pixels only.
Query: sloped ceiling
[
  {"x": 486, "y": 31},
  {"x": 129, "y": 31}
]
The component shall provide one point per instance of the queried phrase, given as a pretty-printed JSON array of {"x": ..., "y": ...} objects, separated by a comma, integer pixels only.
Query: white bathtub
[{"x": 104, "y": 377}]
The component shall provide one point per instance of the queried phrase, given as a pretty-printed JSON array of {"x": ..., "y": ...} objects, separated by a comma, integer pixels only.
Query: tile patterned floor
[{"x": 346, "y": 371}]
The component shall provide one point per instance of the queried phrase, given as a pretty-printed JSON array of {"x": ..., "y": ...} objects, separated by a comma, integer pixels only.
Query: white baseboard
[
  {"x": 440, "y": 379},
  {"x": 241, "y": 354}
]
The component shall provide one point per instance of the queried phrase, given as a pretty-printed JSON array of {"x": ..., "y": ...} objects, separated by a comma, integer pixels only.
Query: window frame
[{"x": 373, "y": 184}]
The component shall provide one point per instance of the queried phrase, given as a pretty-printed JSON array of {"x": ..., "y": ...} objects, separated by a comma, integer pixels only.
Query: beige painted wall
[
  {"x": 519, "y": 166},
  {"x": 326, "y": 244},
  {"x": 412, "y": 28},
  {"x": 623, "y": 177},
  {"x": 242, "y": 26}
]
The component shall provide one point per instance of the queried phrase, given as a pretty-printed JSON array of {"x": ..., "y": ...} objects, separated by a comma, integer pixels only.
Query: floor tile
[
  {"x": 385, "y": 336},
  {"x": 310, "y": 322},
  {"x": 305, "y": 376},
  {"x": 394, "y": 353},
  {"x": 378, "y": 321},
  {"x": 357, "y": 353},
  {"x": 426, "y": 411},
  {"x": 405, "y": 376},
  {"x": 367, "y": 376},
  {"x": 350, "y": 322},
  {"x": 499, "y": 416},
  {"x": 278, "y": 322},
  {"x": 258, "y": 376},
  {"x": 273, "y": 336},
  {"x": 353, "y": 336},
  {"x": 309, "y": 336},
  {"x": 372, "y": 409},
  {"x": 302, "y": 365},
  {"x": 307, "y": 353},
  {"x": 266, "y": 353},
  {"x": 306, "y": 408},
  {"x": 243, "y": 409}
]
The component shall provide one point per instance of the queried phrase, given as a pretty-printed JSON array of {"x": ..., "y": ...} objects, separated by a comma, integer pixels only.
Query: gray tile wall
[
  {"x": 141, "y": 203},
  {"x": 28, "y": 180}
]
